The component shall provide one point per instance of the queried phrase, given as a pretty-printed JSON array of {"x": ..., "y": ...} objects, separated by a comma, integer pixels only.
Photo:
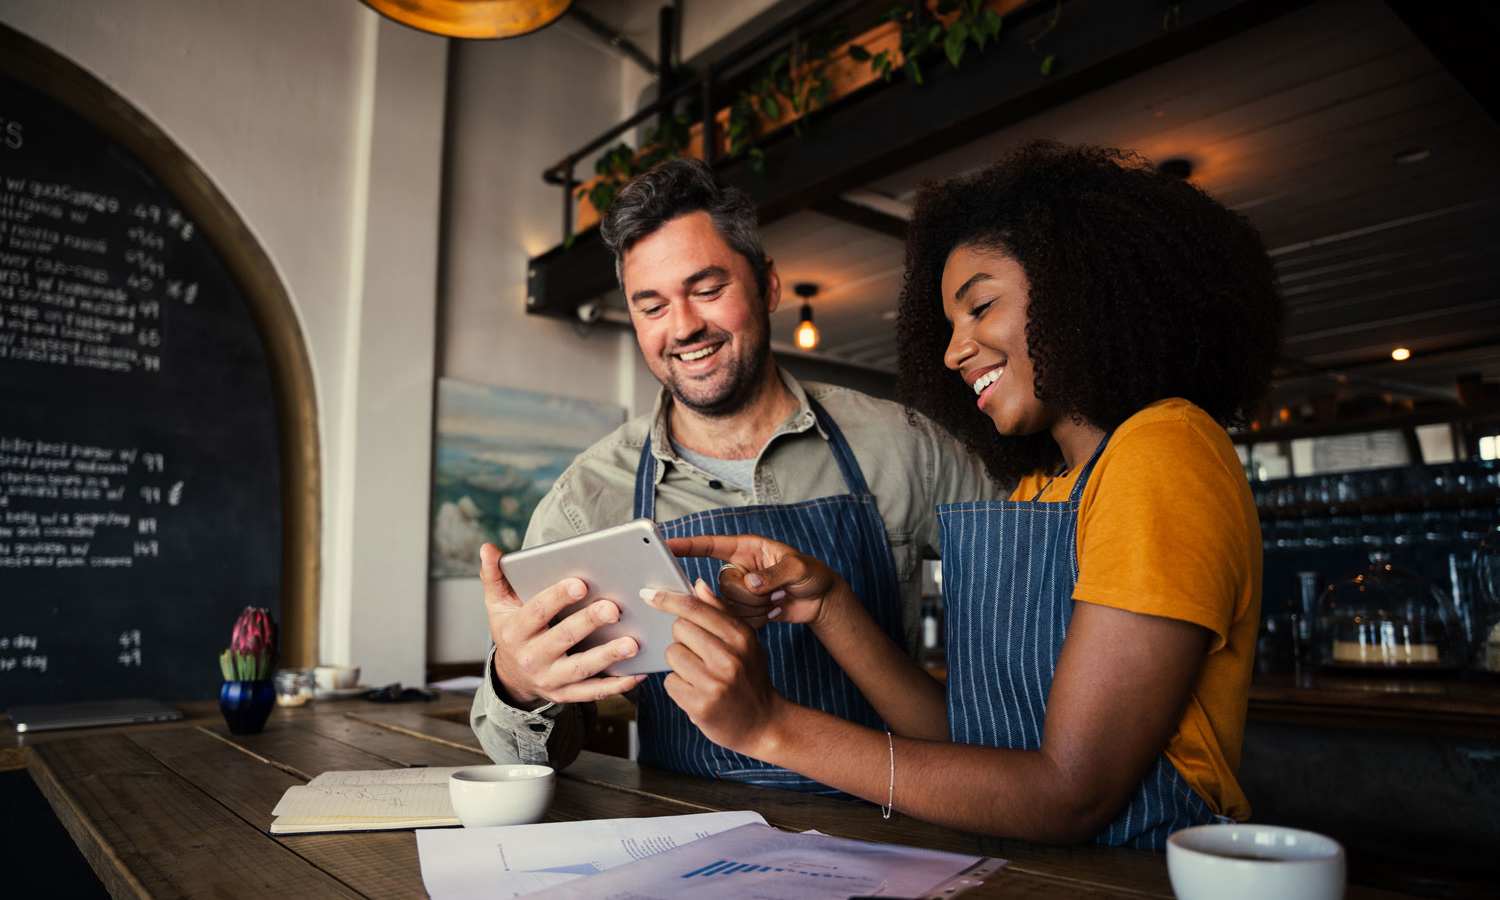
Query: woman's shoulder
[
  {"x": 1172, "y": 424},
  {"x": 1170, "y": 442}
]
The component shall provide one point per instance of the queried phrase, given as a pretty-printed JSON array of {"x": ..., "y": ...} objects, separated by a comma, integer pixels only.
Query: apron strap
[
  {"x": 854, "y": 479},
  {"x": 1083, "y": 477},
  {"x": 645, "y": 483},
  {"x": 1088, "y": 468}
]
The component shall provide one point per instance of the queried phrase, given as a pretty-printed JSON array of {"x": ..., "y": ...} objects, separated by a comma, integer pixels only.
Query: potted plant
[{"x": 249, "y": 667}]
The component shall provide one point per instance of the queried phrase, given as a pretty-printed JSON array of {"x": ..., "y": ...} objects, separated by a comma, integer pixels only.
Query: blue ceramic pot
[{"x": 247, "y": 704}]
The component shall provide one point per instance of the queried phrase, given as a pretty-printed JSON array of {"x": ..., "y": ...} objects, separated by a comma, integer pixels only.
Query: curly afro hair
[{"x": 1142, "y": 288}]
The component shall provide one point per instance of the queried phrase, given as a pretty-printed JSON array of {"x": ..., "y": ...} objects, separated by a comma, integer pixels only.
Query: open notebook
[{"x": 375, "y": 800}]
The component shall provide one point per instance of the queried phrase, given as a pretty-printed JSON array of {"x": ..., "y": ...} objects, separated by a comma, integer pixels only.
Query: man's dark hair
[
  {"x": 1142, "y": 287},
  {"x": 675, "y": 188}
]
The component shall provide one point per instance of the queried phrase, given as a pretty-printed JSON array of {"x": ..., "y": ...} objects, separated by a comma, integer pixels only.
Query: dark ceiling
[{"x": 1372, "y": 173}]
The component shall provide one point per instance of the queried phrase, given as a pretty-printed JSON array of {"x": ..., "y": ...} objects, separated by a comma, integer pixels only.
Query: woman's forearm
[
  {"x": 911, "y": 702},
  {"x": 1012, "y": 793}
]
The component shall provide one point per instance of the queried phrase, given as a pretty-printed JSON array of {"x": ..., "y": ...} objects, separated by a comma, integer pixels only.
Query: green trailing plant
[
  {"x": 915, "y": 38},
  {"x": 1035, "y": 41},
  {"x": 797, "y": 76},
  {"x": 959, "y": 26},
  {"x": 623, "y": 162},
  {"x": 975, "y": 24}
]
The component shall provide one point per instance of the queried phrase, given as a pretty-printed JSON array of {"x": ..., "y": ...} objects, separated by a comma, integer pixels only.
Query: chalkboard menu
[{"x": 140, "y": 473}]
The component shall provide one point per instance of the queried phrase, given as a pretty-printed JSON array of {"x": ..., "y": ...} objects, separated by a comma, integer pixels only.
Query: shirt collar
[{"x": 797, "y": 422}]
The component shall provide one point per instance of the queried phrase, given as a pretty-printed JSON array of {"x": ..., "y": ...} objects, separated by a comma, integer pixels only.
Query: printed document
[
  {"x": 760, "y": 862},
  {"x": 507, "y": 861}
]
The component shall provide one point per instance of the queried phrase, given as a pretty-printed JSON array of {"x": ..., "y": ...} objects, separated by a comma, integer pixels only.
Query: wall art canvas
[{"x": 497, "y": 453}]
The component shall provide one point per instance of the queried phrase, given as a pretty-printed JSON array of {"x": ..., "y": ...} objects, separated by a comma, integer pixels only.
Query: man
[{"x": 734, "y": 445}]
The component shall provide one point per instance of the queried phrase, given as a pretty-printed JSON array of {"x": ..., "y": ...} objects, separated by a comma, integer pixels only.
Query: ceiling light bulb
[
  {"x": 807, "y": 332},
  {"x": 1400, "y": 353}
]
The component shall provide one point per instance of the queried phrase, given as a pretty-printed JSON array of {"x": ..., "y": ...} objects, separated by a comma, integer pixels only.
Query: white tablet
[{"x": 615, "y": 563}]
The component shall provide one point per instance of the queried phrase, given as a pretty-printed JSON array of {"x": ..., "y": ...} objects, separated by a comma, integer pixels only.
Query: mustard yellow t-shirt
[{"x": 1167, "y": 527}]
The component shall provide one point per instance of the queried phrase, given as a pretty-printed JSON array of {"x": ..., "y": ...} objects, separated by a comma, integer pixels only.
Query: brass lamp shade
[{"x": 475, "y": 19}]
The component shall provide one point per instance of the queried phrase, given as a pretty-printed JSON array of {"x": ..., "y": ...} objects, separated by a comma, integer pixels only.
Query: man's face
[{"x": 704, "y": 333}]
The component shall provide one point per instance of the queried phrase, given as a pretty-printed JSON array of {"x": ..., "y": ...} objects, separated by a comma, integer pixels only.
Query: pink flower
[
  {"x": 252, "y": 647},
  {"x": 254, "y": 633}
]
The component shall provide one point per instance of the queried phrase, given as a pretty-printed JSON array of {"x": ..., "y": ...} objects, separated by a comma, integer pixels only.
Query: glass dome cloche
[{"x": 1382, "y": 618}]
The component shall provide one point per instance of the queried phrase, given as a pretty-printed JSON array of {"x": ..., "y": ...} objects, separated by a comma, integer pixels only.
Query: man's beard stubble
[{"x": 734, "y": 393}]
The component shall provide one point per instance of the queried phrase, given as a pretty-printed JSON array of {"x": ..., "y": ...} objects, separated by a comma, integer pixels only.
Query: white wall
[
  {"x": 321, "y": 123},
  {"x": 703, "y": 22},
  {"x": 517, "y": 107}
]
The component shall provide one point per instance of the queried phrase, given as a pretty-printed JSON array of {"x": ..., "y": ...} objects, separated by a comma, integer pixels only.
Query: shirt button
[
  {"x": 715, "y": 484},
  {"x": 538, "y": 726}
]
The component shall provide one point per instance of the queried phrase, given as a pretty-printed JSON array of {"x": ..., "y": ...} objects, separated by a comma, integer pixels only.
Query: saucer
[{"x": 358, "y": 690}]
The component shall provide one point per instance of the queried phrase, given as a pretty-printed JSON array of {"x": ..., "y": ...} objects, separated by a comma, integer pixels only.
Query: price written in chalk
[
  {"x": 147, "y": 238},
  {"x": 153, "y": 494},
  {"x": 130, "y": 647},
  {"x": 145, "y": 262}
]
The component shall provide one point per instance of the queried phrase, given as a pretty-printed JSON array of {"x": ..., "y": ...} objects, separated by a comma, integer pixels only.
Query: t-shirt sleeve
[{"x": 1163, "y": 528}]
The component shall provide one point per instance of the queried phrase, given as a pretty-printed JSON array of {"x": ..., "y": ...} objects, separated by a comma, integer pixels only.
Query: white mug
[
  {"x": 1247, "y": 861},
  {"x": 336, "y": 678},
  {"x": 501, "y": 794}
]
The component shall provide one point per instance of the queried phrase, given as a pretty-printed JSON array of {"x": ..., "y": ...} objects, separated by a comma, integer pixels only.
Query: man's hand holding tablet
[{"x": 588, "y": 616}]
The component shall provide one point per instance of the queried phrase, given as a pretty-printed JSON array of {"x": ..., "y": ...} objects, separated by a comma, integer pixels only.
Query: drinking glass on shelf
[
  {"x": 1485, "y": 576},
  {"x": 1315, "y": 533},
  {"x": 1403, "y": 529},
  {"x": 1374, "y": 530},
  {"x": 1436, "y": 527},
  {"x": 1344, "y": 531}
]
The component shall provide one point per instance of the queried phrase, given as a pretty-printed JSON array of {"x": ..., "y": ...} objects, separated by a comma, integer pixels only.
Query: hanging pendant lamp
[
  {"x": 807, "y": 333},
  {"x": 474, "y": 19}
]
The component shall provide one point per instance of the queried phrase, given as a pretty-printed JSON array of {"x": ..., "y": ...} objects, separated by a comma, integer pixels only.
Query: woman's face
[{"x": 985, "y": 296}]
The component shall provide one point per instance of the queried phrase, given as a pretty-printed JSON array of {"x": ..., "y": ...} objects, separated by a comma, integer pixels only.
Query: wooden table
[{"x": 181, "y": 809}]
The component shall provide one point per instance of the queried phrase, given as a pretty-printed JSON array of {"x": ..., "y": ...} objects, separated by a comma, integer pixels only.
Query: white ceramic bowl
[
  {"x": 1248, "y": 862},
  {"x": 500, "y": 795}
]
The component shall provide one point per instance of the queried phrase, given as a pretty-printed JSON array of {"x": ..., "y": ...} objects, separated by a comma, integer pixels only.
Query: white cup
[
  {"x": 334, "y": 678},
  {"x": 1247, "y": 861},
  {"x": 501, "y": 795}
]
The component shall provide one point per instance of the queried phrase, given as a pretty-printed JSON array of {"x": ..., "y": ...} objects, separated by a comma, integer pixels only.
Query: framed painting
[{"x": 497, "y": 453}]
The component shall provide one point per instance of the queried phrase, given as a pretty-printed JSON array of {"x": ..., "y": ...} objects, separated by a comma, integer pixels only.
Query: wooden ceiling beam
[{"x": 862, "y": 217}]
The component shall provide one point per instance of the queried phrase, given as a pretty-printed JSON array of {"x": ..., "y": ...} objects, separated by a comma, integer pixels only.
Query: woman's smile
[{"x": 985, "y": 380}]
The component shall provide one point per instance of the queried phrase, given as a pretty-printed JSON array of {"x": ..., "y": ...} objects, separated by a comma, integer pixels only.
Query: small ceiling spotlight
[
  {"x": 1177, "y": 167},
  {"x": 1400, "y": 354},
  {"x": 807, "y": 332}
]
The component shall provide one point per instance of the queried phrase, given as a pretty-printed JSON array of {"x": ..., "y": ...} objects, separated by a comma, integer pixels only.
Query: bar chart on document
[
  {"x": 756, "y": 860},
  {"x": 847, "y": 883}
]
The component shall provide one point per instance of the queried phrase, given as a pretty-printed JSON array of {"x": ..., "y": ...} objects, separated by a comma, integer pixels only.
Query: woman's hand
[
  {"x": 719, "y": 676},
  {"x": 771, "y": 581}
]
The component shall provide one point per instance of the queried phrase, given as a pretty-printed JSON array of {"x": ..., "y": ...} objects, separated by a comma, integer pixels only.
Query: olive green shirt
[{"x": 910, "y": 465}]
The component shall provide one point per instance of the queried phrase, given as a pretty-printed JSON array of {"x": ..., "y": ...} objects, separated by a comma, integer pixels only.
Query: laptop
[{"x": 91, "y": 713}]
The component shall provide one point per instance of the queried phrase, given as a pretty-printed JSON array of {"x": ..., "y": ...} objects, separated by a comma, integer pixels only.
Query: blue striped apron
[
  {"x": 1009, "y": 569},
  {"x": 846, "y": 532}
]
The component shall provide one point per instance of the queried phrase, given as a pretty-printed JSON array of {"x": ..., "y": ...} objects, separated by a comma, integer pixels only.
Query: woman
[{"x": 1106, "y": 322}]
